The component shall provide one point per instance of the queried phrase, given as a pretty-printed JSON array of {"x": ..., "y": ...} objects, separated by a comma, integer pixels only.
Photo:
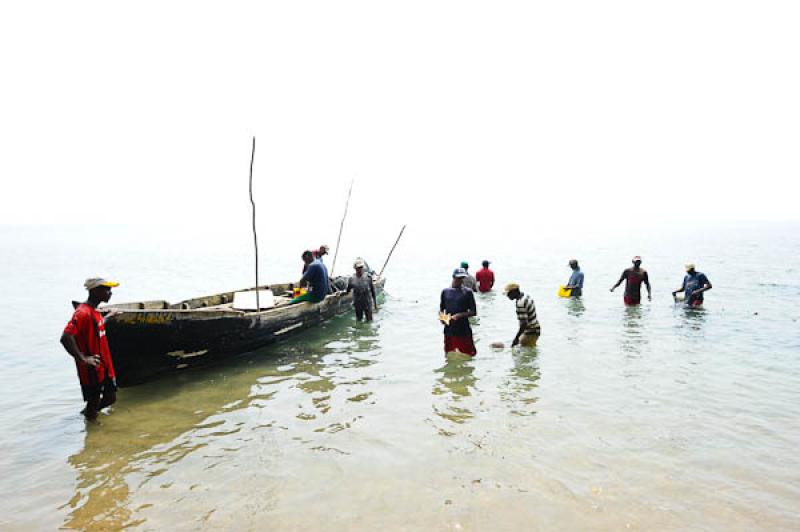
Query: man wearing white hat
[
  {"x": 363, "y": 292},
  {"x": 85, "y": 340},
  {"x": 694, "y": 284},
  {"x": 634, "y": 277}
]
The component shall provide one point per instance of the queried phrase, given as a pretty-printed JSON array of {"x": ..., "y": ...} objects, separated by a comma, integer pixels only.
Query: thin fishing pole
[
  {"x": 255, "y": 236},
  {"x": 341, "y": 227}
]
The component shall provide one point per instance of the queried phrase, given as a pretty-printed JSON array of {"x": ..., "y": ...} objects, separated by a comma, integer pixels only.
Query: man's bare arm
[{"x": 71, "y": 346}]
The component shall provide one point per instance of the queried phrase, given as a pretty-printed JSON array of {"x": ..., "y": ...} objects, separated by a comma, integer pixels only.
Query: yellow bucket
[{"x": 564, "y": 292}]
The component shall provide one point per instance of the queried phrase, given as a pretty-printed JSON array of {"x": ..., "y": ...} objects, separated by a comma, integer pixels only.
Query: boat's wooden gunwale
[{"x": 148, "y": 343}]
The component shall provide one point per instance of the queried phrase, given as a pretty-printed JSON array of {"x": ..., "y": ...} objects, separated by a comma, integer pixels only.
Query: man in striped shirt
[{"x": 529, "y": 329}]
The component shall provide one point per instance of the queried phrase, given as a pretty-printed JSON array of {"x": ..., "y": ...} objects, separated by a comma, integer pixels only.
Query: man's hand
[
  {"x": 611, "y": 289},
  {"x": 91, "y": 360},
  {"x": 649, "y": 297}
]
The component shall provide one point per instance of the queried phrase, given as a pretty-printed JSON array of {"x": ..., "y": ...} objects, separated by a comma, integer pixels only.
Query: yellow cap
[
  {"x": 509, "y": 287},
  {"x": 689, "y": 267}
]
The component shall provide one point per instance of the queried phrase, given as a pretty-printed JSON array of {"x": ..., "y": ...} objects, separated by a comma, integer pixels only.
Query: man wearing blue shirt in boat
[{"x": 316, "y": 277}]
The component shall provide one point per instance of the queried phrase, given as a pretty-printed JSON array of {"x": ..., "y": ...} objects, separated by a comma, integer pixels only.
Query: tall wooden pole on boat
[
  {"x": 253, "y": 203},
  {"x": 392, "y": 251},
  {"x": 341, "y": 226}
]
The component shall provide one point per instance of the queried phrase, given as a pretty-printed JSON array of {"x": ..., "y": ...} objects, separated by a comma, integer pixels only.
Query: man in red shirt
[
  {"x": 485, "y": 277},
  {"x": 85, "y": 340}
]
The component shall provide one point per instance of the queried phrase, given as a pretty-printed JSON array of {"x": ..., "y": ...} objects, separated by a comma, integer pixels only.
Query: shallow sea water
[{"x": 648, "y": 418}]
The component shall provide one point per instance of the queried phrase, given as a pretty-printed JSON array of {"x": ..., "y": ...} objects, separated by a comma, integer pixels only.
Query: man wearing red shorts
[
  {"x": 84, "y": 338},
  {"x": 456, "y": 306},
  {"x": 634, "y": 277}
]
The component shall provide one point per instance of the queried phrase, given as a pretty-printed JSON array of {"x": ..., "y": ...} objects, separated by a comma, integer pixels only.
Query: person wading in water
[
  {"x": 84, "y": 338},
  {"x": 456, "y": 306},
  {"x": 694, "y": 284},
  {"x": 634, "y": 277},
  {"x": 529, "y": 328},
  {"x": 363, "y": 292}
]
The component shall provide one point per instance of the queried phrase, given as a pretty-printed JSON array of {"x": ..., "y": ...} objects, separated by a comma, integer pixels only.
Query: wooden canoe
[{"x": 153, "y": 338}]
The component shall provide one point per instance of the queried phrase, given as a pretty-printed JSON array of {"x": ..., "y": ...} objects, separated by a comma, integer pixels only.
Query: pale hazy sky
[{"x": 511, "y": 112}]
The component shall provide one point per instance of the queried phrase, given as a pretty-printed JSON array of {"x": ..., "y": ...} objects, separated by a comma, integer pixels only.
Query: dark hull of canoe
[{"x": 146, "y": 344}]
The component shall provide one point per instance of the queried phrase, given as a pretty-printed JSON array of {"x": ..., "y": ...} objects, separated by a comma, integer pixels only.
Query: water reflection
[
  {"x": 691, "y": 321},
  {"x": 633, "y": 338},
  {"x": 519, "y": 387},
  {"x": 322, "y": 367},
  {"x": 455, "y": 385},
  {"x": 575, "y": 307},
  {"x": 132, "y": 446},
  {"x": 693, "y": 317},
  {"x": 156, "y": 426}
]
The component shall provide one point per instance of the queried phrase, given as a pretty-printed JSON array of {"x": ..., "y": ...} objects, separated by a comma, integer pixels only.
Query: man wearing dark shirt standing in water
[
  {"x": 456, "y": 306},
  {"x": 634, "y": 277},
  {"x": 363, "y": 292}
]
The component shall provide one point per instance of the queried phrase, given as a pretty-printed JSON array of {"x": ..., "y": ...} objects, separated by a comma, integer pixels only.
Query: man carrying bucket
[
  {"x": 575, "y": 283},
  {"x": 694, "y": 284}
]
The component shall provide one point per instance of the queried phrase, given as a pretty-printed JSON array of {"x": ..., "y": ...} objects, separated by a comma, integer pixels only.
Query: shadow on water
[
  {"x": 455, "y": 384},
  {"x": 158, "y": 424},
  {"x": 519, "y": 386}
]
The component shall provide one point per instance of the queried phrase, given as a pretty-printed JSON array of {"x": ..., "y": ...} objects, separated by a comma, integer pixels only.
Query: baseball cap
[
  {"x": 689, "y": 266},
  {"x": 358, "y": 264},
  {"x": 464, "y": 264},
  {"x": 637, "y": 257},
  {"x": 93, "y": 282},
  {"x": 459, "y": 272},
  {"x": 509, "y": 287}
]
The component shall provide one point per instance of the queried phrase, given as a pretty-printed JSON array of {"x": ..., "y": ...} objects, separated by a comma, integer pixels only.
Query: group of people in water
[
  {"x": 84, "y": 336},
  {"x": 457, "y": 302}
]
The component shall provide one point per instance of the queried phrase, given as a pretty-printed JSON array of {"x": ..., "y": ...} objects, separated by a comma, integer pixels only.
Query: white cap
[{"x": 93, "y": 282}]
